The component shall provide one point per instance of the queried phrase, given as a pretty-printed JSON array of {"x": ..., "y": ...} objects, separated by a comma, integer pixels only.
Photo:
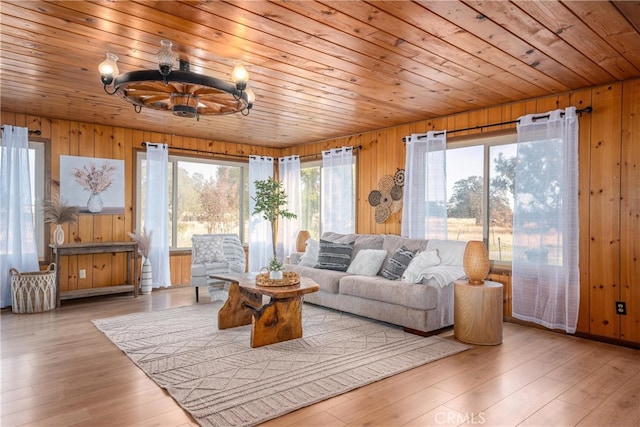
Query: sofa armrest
[{"x": 295, "y": 257}]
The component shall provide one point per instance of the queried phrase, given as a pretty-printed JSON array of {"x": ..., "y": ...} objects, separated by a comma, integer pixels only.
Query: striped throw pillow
[{"x": 334, "y": 256}]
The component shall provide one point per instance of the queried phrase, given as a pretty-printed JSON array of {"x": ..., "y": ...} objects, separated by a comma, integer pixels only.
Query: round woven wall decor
[
  {"x": 382, "y": 213},
  {"x": 385, "y": 184},
  {"x": 374, "y": 198}
]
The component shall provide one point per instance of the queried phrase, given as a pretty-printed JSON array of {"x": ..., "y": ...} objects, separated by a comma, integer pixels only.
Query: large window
[
  {"x": 37, "y": 158},
  {"x": 310, "y": 200},
  {"x": 205, "y": 196},
  {"x": 480, "y": 176},
  {"x": 311, "y": 197}
]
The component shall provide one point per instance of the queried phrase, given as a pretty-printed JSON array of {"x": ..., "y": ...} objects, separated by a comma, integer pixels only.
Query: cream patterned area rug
[{"x": 222, "y": 381}]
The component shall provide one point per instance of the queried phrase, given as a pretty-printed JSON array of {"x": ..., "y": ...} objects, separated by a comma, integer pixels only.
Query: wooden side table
[{"x": 477, "y": 312}]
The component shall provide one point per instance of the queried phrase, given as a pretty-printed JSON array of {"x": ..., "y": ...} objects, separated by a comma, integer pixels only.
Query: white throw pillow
[
  {"x": 420, "y": 262},
  {"x": 310, "y": 256},
  {"x": 208, "y": 250},
  {"x": 367, "y": 262}
]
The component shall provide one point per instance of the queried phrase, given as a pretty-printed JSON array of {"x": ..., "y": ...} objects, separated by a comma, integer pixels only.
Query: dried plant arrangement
[
  {"x": 93, "y": 179},
  {"x": 143, "y": 240},
  {"x": 57, "y": 212}
]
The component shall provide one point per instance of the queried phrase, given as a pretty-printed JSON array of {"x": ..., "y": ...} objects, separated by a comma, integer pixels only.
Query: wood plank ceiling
[{"x": 320, "y": 70}]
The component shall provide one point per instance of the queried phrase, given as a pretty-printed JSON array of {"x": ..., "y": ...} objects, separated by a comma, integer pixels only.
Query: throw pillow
[
  {"x": 334, "y": 256},
  {"x": 209, "y": 250},
  {"x": 310, "y": 256},
  {"x": 422, "y": 261},
  {"x": 398, "y": 263},
  {"x": 367, "y": 262}
]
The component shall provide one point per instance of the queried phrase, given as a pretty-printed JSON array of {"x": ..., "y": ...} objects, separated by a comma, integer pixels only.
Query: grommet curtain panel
[
  {"x": 338, "y": 208},
  {"x": 156, "y": 213},
  {"x": 289, "y": 175},
  {"x": 260, "y": 242},
  {"x": 17, "y": 237},
  {"x": 424, "y": 212},
  {"x": 546, "y": 280}
]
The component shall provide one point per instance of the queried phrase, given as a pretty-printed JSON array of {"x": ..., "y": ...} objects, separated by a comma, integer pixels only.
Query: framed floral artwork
[{"x": 93, "y": 184}]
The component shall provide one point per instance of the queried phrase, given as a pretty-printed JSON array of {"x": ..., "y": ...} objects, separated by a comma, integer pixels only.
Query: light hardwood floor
[{"x": 59, "y": 370}]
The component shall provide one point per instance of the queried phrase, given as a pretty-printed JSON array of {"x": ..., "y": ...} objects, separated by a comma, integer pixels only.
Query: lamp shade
[
  {"x": 476, "y": 262},
  {"x": 301, "y": 240}
]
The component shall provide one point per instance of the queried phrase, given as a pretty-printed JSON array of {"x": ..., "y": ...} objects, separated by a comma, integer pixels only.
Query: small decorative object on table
[
  {"x": 476, "y": 262},
  {"x": 144, "y": 247},
  {"x": 289, "y": 278},
  {"x": 55, "y": 211},
  {"x": 275, "y": 269}
]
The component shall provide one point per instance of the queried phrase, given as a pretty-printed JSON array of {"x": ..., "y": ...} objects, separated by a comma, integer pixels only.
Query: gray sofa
[{"x": 421, "y": 307}]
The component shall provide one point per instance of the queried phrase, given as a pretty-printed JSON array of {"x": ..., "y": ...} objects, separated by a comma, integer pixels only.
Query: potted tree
[{"x": 271, "y": 202}]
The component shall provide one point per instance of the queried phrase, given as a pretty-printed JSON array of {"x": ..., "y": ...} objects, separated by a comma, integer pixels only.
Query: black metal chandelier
[{"x": 182, "y": 92}]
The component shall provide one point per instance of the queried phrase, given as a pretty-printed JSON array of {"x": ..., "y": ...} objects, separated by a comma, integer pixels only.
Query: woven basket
[
  {"x": 289, "y": 278},
  {"x": 33, "y": 292}
]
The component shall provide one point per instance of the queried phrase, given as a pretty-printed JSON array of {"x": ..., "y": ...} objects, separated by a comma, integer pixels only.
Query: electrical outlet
[
  {"x": 621, "y": 308},
  {"x": 82, "y": 274}
]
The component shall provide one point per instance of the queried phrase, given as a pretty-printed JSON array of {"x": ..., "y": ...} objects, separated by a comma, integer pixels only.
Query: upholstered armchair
[{"x": 215, "y": 253}]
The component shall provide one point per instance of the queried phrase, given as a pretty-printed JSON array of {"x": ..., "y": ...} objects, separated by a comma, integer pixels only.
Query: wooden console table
[{"x": 131, "y": 248}]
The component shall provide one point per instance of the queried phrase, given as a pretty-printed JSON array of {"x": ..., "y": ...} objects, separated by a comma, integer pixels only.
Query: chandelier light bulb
[
  {"x": 165, "y": 57},
  {"x": 239, "y": 75},
  {"x": 109, "y": 69}
]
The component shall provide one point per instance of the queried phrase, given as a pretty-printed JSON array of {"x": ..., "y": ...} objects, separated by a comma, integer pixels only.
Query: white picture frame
[{"x": 84, "y": 178}]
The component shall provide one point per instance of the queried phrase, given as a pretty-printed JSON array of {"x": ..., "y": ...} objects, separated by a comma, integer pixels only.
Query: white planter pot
[
  {"x": 275, "y": 275},
  {"x": 145, "y": 277},
  {"x": 58, "y": 235}
]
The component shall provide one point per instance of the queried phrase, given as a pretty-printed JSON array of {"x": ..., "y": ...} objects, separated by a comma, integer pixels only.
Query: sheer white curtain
[
  {"x": 156, "y": 213},
  {"x": 338, "y": 207},
  {"x": 546, "y": 281},
  {"x": 17, "y": 237},
  {"x": 424, "y": 212},
  {"x": 289, "y": 173},
  {"x": 260, "y": 246}
]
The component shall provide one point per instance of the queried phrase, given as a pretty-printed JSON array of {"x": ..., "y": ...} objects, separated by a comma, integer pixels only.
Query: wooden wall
[
  {"x": 609, "y": 191},
  {"x": 91, "y": 140},
  {"x": 609, "y": 156}
]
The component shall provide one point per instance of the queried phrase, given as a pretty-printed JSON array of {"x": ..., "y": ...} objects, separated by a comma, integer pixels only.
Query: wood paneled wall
[
  {"x": 609, "y": 156},
  {"x": 609, "y": 191},
  {"x": 92, "y": 140}
]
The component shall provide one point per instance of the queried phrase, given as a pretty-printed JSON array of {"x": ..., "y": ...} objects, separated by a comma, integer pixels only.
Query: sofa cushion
[
  {"x": 328, "y": 280},
  {"x": 367, "y": 262},
  {"x": 207, "y": 268},
  {"x": 208, "y": 250},
  {"x": 393, "y": 242},
  {"x": 360, "y": 241},
  {"x": 451, "y": 252},
  {"x": 310, "y": 256},
  {"x": 398, "y": 263},
  {"x": 417, "y": 296},
  {"x": 334, "y": 256},
  {"x": 419, "y": 263}
]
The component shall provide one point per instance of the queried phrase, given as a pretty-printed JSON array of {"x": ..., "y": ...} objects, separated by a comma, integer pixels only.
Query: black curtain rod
[
  {"x": 358, "y": 147},
  {"x": 239, "y": 156},
  {"x": 36, "y": 132},
  {"x": 588, "y": 109}
]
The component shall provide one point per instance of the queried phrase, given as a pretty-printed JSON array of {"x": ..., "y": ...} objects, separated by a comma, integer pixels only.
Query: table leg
[
  {"x": 239, "y": 308},
  {"x": 57, "y": 261},
  {"x": 278, "y": 321}
]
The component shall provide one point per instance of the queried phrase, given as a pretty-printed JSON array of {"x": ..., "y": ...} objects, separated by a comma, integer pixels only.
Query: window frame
[
  {"x": 487, "y": 140},
  {"x": 141, "y": 154}
]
